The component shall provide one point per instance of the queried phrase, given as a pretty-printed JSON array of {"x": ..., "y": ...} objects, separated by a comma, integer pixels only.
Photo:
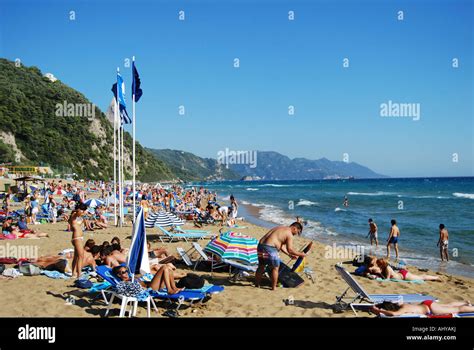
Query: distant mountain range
[
  {"x": 38, "y": 128},
  {"x": 190, "y": 167},
  {"x": 269, "y": 166},
  {"x": 275, "y": 166}
]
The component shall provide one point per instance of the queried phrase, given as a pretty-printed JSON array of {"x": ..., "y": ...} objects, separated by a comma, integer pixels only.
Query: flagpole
[
  {"x": 119, "y": 157},
  {"x": 123, "y": 168},
  {"x": 114, "y": 190},
  {"x": 133, "y": 146}
]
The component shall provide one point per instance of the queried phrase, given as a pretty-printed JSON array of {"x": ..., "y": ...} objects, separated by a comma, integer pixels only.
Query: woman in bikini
[
  {"x": 163, "y": 278},
  {"x": 145, "y": 206},
  {"x": 427, "y": 307},
  {"x": 384, "y": 269},
  {"x": 75, "y": 222}
]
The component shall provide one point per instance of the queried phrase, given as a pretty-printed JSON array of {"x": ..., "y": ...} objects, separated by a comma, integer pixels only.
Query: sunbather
[
  {"x": 163, "y": 278},
  {"x": 384, "y": 269},
  {"x": 159, "y": 253},
  {"x": 427, "y": 307}
]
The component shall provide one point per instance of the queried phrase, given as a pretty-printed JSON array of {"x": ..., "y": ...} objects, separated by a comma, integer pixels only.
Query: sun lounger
[
  {"x": 179, "y": 236},
  {"x": 196, "y": 248},
  {"x": 362, "y": 298},
  {"x": 178, "y": 229},
  {"x": 106, "y": 273},
  {"x": 190, "y": 295}
]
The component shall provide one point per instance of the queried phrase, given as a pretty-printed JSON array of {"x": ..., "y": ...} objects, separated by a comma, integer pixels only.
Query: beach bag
[
  {"x": 2, "y": 268},
  {"x": 191, "y": 281},
  {"x": 84, "y": 284},
  {"x": 360, "y": 270},
  {"x": 29, "y": 269},
  {"x": 288, "y": 278}
]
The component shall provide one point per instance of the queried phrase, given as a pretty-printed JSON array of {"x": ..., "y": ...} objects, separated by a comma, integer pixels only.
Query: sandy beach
[{"x": 40, "y": 296}]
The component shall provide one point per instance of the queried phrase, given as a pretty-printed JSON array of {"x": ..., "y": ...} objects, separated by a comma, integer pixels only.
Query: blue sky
[{"x": 282, "y": 63}]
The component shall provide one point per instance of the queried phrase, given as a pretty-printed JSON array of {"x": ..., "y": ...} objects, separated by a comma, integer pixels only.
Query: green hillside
[
  {"x": 190, "y": 167},
  {"x": 32, "y": 133}
]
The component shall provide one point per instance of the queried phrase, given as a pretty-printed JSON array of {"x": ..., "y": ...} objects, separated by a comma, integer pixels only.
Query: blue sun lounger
[
  {"x": 190, "y": 295},
  {"x": 363, "y": 299},
  {"x": 179, "y": 236}
]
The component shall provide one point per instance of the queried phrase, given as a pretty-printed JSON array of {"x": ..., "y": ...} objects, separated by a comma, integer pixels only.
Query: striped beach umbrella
[
  {"x": 94, "y": 202},
  {"x": 150, "y": 220},
  {"x": 174, "y": 219},
  {"x": 162, "y": 219},
  {"x": 235, "y": 246}
]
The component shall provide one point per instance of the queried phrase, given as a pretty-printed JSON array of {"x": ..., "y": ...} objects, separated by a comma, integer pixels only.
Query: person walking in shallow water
[
  {"x": 443, "y": 242},
  {"x": 393, "y": 238},
  {"x": 373, "y": 233}
]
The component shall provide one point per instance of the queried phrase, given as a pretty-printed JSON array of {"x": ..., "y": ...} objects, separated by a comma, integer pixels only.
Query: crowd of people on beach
[{"x": 199, "y": 206}]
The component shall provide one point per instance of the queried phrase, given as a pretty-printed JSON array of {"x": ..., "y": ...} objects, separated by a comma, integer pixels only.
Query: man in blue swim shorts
[
  {"x": 393, "y": 238},
  {"x": 278, "y": 238}
]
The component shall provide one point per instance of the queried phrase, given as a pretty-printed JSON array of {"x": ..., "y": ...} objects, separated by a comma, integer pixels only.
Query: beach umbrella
[
  {"x": 61, "y": 192},
  {"x": 174, "y": 219},
  {"x": 235, "y": 246},
  {"x": 137, "y": 258},
  {"x": 163, "y": 220},
  {"x": 150, "y": 220},
  {"x": 94, "y": 202}
]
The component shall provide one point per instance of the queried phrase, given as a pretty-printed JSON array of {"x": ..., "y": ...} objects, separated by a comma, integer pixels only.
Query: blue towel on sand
[
  {"x": 397, "y": 280},
  {"x": 97, "y": 287},
  {"x": 55, "y": 274}
]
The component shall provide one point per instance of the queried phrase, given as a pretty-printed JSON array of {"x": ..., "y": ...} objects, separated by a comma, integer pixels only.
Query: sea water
[{"x": 418, "y": 204}]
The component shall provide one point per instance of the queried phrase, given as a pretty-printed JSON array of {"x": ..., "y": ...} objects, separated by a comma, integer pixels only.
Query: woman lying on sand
[
  {"x": 163, "y": 278},
  {"x": 428, "y": 307},
  {"x": 383, "y": 268},
  {"x": 20, "y": 231}
]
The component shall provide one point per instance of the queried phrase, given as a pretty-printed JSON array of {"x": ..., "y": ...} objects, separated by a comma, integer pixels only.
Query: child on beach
[
  {"x": 393, "y": 238},
  {"x": 443, "y": 242}
]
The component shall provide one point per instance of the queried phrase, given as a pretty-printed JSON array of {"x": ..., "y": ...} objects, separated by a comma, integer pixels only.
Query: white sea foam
[
  {"x": 304, "y": 202},
  {"x": 339, "y": 209},
  {"x": 273, "y": 185},
  {"x": 252, "y": 189},
  {"x": 464, "y": 195},
  {"x": 378, "y": 193}
]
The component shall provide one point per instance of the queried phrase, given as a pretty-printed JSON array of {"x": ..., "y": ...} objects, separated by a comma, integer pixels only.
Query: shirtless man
[
  {"x": 393, "y": 238},
  {"x": 278, "y": 238},
  {"x": 373, "y": 233},
  {"x": 443, "y": 242},
  {"x": 75, "y": 222}
]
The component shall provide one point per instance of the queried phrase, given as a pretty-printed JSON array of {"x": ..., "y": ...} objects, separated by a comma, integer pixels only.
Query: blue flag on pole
[
  {"x": 125, "y": 119},
  {"x": 136, "y": 90}
]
